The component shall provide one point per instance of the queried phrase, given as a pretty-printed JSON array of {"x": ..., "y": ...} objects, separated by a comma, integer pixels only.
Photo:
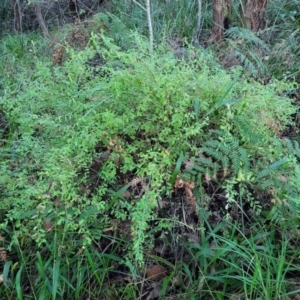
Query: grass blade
[{"x": 18, "y": 284}]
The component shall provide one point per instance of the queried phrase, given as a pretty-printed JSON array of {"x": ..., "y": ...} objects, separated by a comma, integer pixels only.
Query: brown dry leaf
[
  {"x": 118, "y": 148},
  {"x": 57, "y": 56},
  {"x": 109, "y": 229},
  {"x": 124, "y": 227},
  {"x": 192, "y": 54},
  {"x": 207, "y": 178},
  {"x": 189, "y": 186},
  {"x": 126, "y": 194},
  {"x": 48, "y": 226},
  {"x": 80, "y": 250},
  {"x": 194, "y": 238},
  {"x": 270, "y": 123},
  {"x": 114, "y": 225},
  {"x": 135, "y": 181},
  {"x": 154, "y": 294},
  {"x": 1, "y": 278},
  {"x": 167, "y": 152},
  {"x": 276, "y": 200},
  {"x": 225, "y": 172},
  {"x": 178, "y": 184},
  {"x": 283, "y": 179},
  {"x": 3, "y": 254},
  {"x": 79, "y": 35},
  {"x": 273, "y": 126},
  {"x": 156, "y": 272},
  {"x": 112, "y": 143},
  {"x": 189, "y": 165},
  {"x": 41, "y": 207},
  {"x": 162, "y": 203}
]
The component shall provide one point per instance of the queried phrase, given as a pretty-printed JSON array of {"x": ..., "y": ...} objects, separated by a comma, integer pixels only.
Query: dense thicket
[{"x": 149, "y": 151}]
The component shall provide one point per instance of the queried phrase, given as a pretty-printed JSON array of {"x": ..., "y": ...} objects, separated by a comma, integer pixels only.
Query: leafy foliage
[
  {"x": 142, "y": 114},
  {"x": 221, "y": 156},
  {"x": 92, "y": 147}
]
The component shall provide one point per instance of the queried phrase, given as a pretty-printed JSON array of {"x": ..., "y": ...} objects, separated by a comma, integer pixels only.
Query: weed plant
[
  {"x": 77, "y": 142},
  {"x": 255, "y": 267}
]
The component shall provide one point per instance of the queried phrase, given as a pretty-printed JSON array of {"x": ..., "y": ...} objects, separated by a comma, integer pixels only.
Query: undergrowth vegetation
[{"x": 136, "y": 175}]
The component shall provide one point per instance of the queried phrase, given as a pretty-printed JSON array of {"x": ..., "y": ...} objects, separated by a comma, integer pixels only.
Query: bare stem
[
  {"x": 139, "y": 4},
  {"x": 148, "y": 10},
  {"x": 198, "y": 28}
]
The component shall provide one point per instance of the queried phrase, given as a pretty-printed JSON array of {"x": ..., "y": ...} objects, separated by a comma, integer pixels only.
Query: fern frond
[
  {"x": 214, "y": 153},
  {"x": 272, "y": 168},
  {"x": 203, "y": 161},
  {"x": 289, "y": 145},
  {"x": 220, "y": 156},
  {"x": 257, "y": 59},
  {"x": 246, "y": 131},
  {"x": 244, "y": 158},
  {"x": 247, "y": 36},
  {"x": 247, "y": 63},
  {"x": 267, "y": 183},
  {"x": 225, "y": 162},
  {"x": 235, "y": 159},
  {"x": 292, "y": 147},
  {"x": 199, "y": 169}
]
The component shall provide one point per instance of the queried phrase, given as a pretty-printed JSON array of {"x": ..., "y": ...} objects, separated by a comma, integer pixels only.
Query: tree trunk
[
  {"x": 17, "y": 15},
  {"x": 254, "y": 14},
  {"x": 38, "y": 12},
  {"x": 221, "y": 19},
  {"x": 149, "y": 18}
]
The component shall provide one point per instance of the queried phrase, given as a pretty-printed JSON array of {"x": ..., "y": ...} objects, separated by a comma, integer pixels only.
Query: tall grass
[
  {"x": 259, "y": 266},
  {"x": 170, "y": 19}
]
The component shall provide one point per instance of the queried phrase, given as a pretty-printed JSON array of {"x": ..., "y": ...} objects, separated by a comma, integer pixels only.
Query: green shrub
[{"x": 144, "y": 113}]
